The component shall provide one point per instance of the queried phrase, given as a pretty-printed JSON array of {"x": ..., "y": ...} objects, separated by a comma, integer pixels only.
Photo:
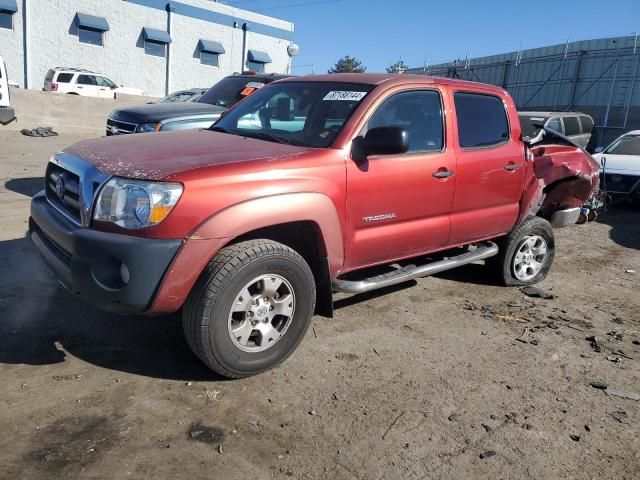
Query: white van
[{"x": 7, "y": 114}]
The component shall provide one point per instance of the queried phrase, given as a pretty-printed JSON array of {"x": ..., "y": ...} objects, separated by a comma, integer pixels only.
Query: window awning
[
  {"x": 154, "y": 35},
  {"x": 259, "y": 57},
  {"x": 9, "y": 6},
  {"x": 210, "y": 46},
  {"x": 91, "y": 22}
]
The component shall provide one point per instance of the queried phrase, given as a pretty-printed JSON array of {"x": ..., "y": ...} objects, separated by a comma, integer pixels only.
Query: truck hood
[
  {"x": 157, "y": 156},
  {"x": 161, "y": 111},
  {"x": 620, "y": 163}
]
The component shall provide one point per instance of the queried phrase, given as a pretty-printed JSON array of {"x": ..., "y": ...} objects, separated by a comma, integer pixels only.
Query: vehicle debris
[
  {"x": 619, "y": 416},
  {"x": 616, "y": 392},
  {"x": 536, "y": 293},
  {"x": 524, "y": 337},
  {"x": 487, "y": 454},
  {"x": 599, "y": 385},
  {"x": 39, "y": 132},
  {"x": 594, "y": 343}
]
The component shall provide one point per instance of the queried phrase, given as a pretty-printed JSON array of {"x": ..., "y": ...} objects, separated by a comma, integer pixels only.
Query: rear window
[
  {"x": 482, "y": 120},
  {"x": 230, "y": 90},
  {"x": 587, "y": 124},
  {"x": 571, "y": 126},
  {"x": 530, "y": 125},
  {"x": 64, "y": 77}
]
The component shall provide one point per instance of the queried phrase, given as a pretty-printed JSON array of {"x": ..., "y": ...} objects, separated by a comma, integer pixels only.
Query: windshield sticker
[
  {"x": 348, "y": 96},
  {"x": 537, "y": 119},
  {"x": 255, "y": 85},
  {"x": 247, "y": 91}
]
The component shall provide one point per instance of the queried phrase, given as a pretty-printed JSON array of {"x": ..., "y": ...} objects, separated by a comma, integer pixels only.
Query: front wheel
[
  {"x": 526, "y": 254},
  {"x": 250, "y": 308}
]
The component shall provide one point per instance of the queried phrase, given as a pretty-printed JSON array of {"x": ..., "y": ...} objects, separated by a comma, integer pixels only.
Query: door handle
[
  {"x": 443, "y": 174},
  {"x": 512, "y": 167}
]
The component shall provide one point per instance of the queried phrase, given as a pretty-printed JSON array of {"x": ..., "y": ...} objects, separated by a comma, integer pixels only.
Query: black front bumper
[{"x": 89, "y": 262}]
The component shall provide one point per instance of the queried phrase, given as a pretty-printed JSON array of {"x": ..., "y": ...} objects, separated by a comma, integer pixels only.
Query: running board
[{"x": 484, "y": 250}]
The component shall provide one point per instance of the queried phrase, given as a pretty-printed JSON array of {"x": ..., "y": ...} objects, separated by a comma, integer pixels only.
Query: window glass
[
  {"x": 105, "y": 82},
  {"x": 177, "y": 97},
  {"x": 571, "y": 126},
  {"x": 587, "y": 124},
  {"x": 64, "y": 77},
  {"x": 86, "y": 80},
  {"x": 231, "y": 90},
  {"x": 154, "y": 48},
  {"x": 208, "y": 58},
  {"x": 419, "y": 113},
  {"x": 92, "y": 37},
  {"x": 627, "y": 145},
  {"x": 554, "y": 124},
  {"x": 482, "y": 120},
  {"x": 255, "y": 66},
  {"x": 49, "y": 76},
  {"x": 296, "y": 113},
  {"x": 6, "y": 20}
]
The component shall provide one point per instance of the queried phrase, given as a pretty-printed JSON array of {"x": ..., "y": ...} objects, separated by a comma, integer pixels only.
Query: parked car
[
  {"x": 7, "y": 114},
  {"x": 190, "y": 95},
  {"x": 621, "y": 166},
  {"x": 249, "y": 228},
  {"x": 76, "y": 81},
  {"x": 574, "y": 125},
  {"x": 162, "y": 117}
]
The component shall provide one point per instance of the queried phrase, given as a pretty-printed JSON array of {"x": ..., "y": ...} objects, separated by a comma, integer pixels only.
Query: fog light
[{"x": 125, "y": 275}]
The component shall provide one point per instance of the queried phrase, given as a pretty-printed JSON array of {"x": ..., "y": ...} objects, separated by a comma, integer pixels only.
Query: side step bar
[{"x": 484, "y": 250}]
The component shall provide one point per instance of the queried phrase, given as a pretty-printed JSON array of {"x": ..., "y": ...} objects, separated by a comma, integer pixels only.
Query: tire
[
  {"x": 512, "y": 266},
  {"x": 219, "y": 335}
]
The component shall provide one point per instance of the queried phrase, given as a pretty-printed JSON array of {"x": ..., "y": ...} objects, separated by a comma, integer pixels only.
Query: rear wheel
[
  {"x": 250, "y": 308},
  {"x": 526, "y": 254}
]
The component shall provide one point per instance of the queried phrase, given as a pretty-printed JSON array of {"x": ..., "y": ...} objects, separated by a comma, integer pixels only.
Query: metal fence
[{"x": 598, "y": 77}]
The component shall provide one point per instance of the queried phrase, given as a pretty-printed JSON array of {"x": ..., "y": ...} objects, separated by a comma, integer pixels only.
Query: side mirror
[
  {"x": 385, "y": 141},
  {"x": 599, "y": 150}
]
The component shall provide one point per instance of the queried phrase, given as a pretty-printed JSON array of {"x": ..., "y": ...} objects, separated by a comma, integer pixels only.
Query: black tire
[
  {"x": 503, "y": 263},
  {"x": 205, "y": 317}
]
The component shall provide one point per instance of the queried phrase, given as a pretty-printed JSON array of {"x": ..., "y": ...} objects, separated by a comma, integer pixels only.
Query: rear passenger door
[
  {"x": 87, "y": 85},
  {"x": 490, "y": 172}
]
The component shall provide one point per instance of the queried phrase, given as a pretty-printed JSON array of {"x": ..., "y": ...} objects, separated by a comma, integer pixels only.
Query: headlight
[
  {"x": 136, "y": 203},
  {"x": 147, "y": 127}
]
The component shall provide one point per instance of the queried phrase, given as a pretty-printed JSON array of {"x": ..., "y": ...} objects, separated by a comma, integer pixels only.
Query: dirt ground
[{"x": 446, "y": 377}]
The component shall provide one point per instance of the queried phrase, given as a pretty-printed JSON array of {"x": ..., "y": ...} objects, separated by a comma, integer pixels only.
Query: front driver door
[{"x": 399, "y": 205}]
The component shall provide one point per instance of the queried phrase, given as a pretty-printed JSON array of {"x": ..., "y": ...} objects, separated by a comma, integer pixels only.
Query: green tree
[
  {"x": 348, "y": 64},
  {"x": 397, "y": 67}
]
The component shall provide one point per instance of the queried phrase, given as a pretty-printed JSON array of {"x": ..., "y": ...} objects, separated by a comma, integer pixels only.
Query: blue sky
[{"x": 377, "y": 31}]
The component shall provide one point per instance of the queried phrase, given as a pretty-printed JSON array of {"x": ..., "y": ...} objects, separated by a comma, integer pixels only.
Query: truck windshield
[
  {"x": 627, "y": 145},
  {"x": 230, "y": 90},
  {"x": 308, "y": 114}
]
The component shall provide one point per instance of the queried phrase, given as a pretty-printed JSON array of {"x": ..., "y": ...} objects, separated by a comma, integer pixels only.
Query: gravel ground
[{"x": 446, "y": 377}]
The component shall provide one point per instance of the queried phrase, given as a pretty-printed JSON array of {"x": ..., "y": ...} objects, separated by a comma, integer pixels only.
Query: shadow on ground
[
  {"x": 42, "y": 322},
  {"x": 624, "y": 221},
  {"x": 28, "y": 186}
]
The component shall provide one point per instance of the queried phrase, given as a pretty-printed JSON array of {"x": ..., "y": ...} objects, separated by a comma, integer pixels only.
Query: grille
[
  {"x": 122, "y": 127},
  {"x": 63, "y": 190},
  {"x": 616, "y": 183}
]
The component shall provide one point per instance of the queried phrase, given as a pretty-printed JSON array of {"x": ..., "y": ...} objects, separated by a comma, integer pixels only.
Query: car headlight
[
  {"x": 147, "y": 127},
  {"x": 136, "y": 203}
]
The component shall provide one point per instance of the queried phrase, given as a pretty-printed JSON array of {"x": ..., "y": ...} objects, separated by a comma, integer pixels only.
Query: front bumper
[
  {"x": 90, "y": 263},
  {"x": 7, "y": 115}
]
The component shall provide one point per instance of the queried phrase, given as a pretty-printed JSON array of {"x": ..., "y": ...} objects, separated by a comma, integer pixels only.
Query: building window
[
  {"x": 156, "y": 49},
  {"x": 255, "y": 66},
  {"x": 209, "y": 58},
  {"x": 6, "y": 19},
  {"x": 92, "y": 37}
]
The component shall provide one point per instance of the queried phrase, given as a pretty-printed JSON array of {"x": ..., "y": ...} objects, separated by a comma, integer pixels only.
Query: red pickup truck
[{"x": 297, "y": 192}]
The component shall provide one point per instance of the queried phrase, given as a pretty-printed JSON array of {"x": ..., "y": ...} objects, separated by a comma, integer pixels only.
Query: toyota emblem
[{"x": 60, "y": 187}]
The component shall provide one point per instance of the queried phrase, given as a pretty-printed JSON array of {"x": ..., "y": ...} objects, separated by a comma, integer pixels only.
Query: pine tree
[{"x": 348, "y": 64}]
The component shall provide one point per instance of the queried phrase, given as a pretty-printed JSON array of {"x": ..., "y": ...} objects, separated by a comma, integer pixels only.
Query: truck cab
[
  {"x": 299, "y": 191},
  {"x": 7, "y": 113}
]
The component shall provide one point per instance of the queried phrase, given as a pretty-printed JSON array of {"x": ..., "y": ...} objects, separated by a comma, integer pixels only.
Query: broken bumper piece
[{"x": 565, "y": 218}]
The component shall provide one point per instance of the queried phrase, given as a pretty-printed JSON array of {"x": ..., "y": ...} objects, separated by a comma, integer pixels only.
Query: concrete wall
[
  {"x": 65, "y": 113},
  {"x": 53, "y": 41}
]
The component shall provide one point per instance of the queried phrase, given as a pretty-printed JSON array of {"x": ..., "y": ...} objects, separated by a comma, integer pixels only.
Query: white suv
[{"x": 83, "y": 82}]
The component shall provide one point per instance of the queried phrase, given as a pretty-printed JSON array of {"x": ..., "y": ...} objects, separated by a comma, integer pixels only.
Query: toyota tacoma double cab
[{"x": 309, "y": 186}]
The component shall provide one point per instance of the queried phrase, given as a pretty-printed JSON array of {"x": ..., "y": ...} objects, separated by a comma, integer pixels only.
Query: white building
[{"x": 156, "y": 45}]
